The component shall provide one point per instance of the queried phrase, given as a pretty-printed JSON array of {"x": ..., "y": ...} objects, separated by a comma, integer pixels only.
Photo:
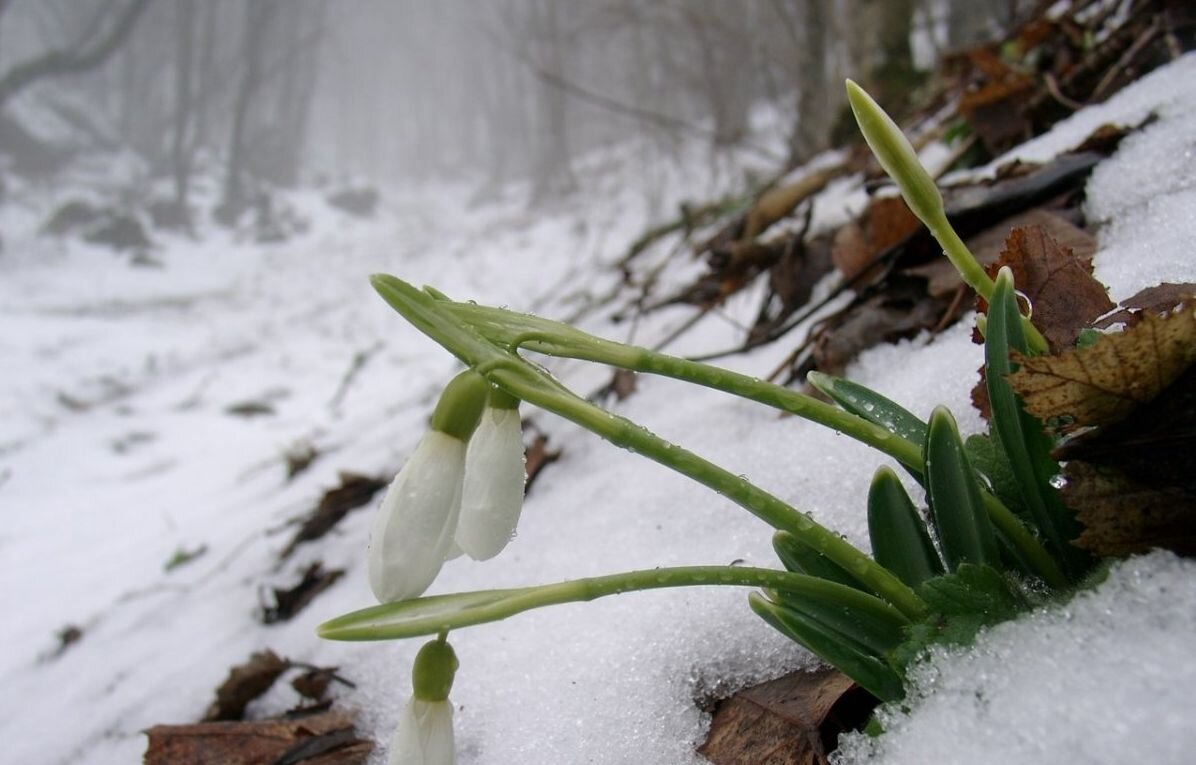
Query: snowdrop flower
[
  {"x": 413, "y": 530},
  {"x": 492, "y": 494},
  {"x": 425, "y": 732}
]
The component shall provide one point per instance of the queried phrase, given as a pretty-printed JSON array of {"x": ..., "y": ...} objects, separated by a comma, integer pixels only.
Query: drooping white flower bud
[
  {"x": 413, "y": 530},
  {"x": 425, "y": 732},
  {"x": 495, "y": 475},
  {"x": 414, "y": 526}
]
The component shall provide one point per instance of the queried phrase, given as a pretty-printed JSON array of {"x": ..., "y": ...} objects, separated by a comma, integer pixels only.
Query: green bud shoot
[
  {"x": 460, "y": 406},
  {"x": 433, "y": 671}
]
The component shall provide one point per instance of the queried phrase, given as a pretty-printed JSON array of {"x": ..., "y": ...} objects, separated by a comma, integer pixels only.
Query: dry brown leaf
[
  {"x": 988, "y": 244},
  {"x": 995, "y": 111},
  {"x": 1104, "y": 382},
  {"x": 1058, "y": 281},
  {"x": 328, "y": 738},
  {"x": 887, "y": 222},
  {"x": 793, "y": 720},
  {"x": 1157, "y": 299}
]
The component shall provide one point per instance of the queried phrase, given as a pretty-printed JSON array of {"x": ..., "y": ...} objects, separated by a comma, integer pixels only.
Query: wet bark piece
[
  {"x": 245, "y": 683},
  {"x": 328, "y": 738},
  {"x": 290, "y": 601},
  {"x": 793, "y": 720},
  {"x": 354, "y": 491}
]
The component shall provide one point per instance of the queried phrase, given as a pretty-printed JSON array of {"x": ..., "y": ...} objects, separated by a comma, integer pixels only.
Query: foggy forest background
[{"x": 274, "y": 93}]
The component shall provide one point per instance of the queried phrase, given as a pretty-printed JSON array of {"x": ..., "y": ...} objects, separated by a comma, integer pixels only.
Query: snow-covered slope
[{"x": 117, "y": 451}]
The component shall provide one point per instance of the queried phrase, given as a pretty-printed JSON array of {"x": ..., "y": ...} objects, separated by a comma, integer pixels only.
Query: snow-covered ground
[{"x": 117, "y": 452}]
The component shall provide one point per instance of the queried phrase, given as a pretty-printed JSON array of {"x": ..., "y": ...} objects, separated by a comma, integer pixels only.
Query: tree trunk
[
  {"x": 553, "y": 172},
  {"x": 257, "y": 19},
  {"x": 183, "y": 96}
]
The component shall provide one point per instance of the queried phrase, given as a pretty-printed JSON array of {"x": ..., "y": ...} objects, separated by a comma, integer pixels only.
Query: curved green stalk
[
  {"x": 532, "y": 384},
  {"x": 441, "y": 613},
  {"x": 555, "y": 338},
  {"x": 900, "y": 162}
]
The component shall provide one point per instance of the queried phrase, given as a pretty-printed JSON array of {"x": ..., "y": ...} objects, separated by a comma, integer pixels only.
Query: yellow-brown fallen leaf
[
  {"x": 1105, "y": 382},
  {"x": 1122, "y": 516}
]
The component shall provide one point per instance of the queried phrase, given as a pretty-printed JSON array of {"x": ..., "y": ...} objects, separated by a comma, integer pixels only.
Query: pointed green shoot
[
  {"x": 900, "y": 541},
  {"x": 870, "y": 671},
  {"x": 1021, "y": 437},
  {"x": 965, "y": 533},
  {"x": 801, "y": 559},
  {"x": 895, "y": 154},
  {"x": 867, "y": 620}
]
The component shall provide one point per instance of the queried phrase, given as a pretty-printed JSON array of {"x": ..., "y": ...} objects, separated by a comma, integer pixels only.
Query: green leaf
[
  {"x": 845, "y": 654},
  {"x": 868, "y": 620},
  {"x": 426, "y": 616},
  {"x": 1021, "y": 437},
  {"x": 975, "y": 591},
  {"x": 873, "y": 407},
  {"x": 987, "y": 457},
  {"x": 964, "y": 530},
  {"x": 803, "y": 559},
  {"x": 900, "y": 541},
  {"x": 961, "y": 604}
]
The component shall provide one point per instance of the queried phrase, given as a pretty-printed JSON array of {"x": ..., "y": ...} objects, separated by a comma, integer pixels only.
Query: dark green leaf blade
[
  {"x": 900, "y": 541},
  {"x": 965, "y": 532},
  {"x": 845, "y": 654},
  {"x": 802, "y": 559},
  {"x": 1021, "y": 437}
]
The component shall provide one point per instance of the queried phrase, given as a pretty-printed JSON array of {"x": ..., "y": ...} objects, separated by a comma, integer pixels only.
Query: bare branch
[{"x": 79, "y": 58}]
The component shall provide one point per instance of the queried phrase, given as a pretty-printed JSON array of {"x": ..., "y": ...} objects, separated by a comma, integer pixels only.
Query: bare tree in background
[
  {"x": 101, "y": 37},
  {"x": 103, "y": 32},
  {"x": 258, "y": 17},
  {"x": 552, "y": 173}
]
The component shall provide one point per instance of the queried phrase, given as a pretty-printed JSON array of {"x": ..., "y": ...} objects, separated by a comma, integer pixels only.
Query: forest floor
[{"x": 152, "y": 412}]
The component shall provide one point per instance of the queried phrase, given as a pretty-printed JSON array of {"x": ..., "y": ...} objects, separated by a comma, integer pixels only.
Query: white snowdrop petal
[
  {"x": 492, "y": 493},
  {"x": 424, "y": 735},
  {"x": 413, "y": 529}
]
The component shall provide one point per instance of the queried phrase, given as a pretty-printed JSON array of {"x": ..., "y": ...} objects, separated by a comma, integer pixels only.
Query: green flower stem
[
  {"x": 557, "y": 339},
  {"x": 1028, "y": 546},
  {"x": 974, "y": 275},
  {"x": 440, "y": 613},
  {"x": 626, "y": 434},
  {"x": 529, "y": 383},
  {"x": 900, "y": 162}
]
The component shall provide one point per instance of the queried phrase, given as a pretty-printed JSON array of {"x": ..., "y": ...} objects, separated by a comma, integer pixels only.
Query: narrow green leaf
[
  {"x": 849, "y": 657},
  {"x": 441, "y": 613},
  {"x": 987, "y": 457},
  {"x": 872, "y": 406},
  {"x": 1022, "y": 439},
  {"x": 965, "y": 532},
  {"x": 802, "y": 559},
  {"x": 900, "y": 541},
  {"x": 866, "y": 619}
]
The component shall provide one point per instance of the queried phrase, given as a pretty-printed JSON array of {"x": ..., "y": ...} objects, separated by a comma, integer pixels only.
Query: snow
[{"x": 138, "y": 458}]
